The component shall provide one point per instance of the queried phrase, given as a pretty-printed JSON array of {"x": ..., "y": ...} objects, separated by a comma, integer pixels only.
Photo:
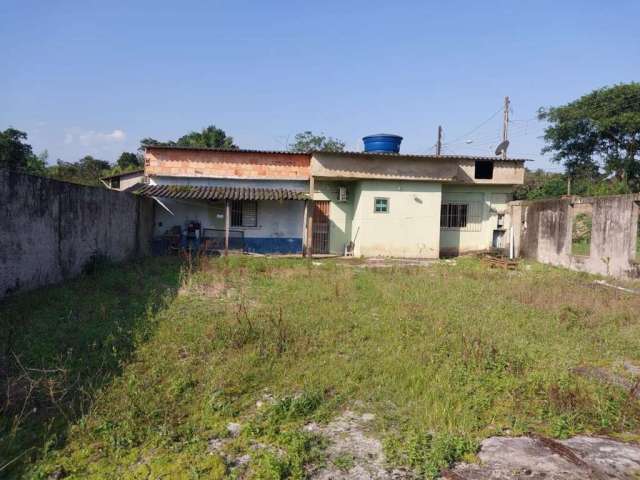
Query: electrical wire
[{"x": 476, "y": 128}]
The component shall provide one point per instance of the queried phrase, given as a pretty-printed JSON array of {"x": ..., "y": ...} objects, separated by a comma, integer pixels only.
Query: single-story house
[{"x": 366, "y": 203}]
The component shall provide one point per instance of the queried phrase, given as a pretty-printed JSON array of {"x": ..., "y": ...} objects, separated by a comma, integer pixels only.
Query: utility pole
[
  {"x": 439, "y": 142},
  {"x": 505, "y": 126}
]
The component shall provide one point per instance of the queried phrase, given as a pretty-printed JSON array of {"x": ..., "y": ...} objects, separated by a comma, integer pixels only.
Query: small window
[
  {"x": 115, "y": 182},
  {"x": 381, "y": 205},
  {"x": 454, "y": 215},
  {"x": 581, "y": 230},
  {"x": 244, "y": 213},
  {"x": 484, "y": 170}
]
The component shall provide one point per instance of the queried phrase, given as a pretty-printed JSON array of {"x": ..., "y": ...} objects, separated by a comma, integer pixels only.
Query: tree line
[
  {"x": 16, "y": 154},
  {"x": 596, "y": 138}
]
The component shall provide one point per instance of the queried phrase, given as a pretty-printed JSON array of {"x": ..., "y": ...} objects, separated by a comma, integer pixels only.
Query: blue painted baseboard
[{"x": 273, "y": 245}]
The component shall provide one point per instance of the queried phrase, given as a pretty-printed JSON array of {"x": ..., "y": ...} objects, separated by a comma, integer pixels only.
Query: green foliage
[
  {"x": 539, "y": 184},
  {"x": 86, "y": 171},
  {"x": 429, "y": 454},
  {"x": 208, "y": 137},
  {"x": 600, "y": 129},
  {"x": 440, "y": 366},
  {"x": 307, "y": 141},
  {"x": 129, "y": 161},
  {"x": 72, "y": 342},
  {"x": 581, "y": 234},
  {"x": 16, "y": 154}
]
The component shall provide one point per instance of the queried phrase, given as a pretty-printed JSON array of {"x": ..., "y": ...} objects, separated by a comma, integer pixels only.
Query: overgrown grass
[
  {"x": 60, "y": 345},
  {"x": 444, "y": 355}
]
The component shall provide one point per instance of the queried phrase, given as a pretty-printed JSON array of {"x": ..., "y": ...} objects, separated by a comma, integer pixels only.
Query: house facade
[{"x": 360, "y": 203}]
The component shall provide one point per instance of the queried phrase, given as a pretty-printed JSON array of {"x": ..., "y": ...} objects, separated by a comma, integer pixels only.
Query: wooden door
[{"x": 320, "y": 228}]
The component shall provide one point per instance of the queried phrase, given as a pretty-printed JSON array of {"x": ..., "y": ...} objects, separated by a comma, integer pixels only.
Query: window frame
[
  {"x": 235, "y": 212},
  {"x": 387, "y": 204},
  {"x": 449, "y": 216}
]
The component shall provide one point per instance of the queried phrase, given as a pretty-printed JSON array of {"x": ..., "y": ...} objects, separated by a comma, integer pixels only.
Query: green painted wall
[
  {"x": 340, "y": 213},
  {"x": 490, "y": 200},
  {"x": 411, "y": 228}
]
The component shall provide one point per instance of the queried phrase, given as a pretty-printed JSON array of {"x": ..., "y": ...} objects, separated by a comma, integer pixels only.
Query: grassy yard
[{"x": 130, "y": 373}]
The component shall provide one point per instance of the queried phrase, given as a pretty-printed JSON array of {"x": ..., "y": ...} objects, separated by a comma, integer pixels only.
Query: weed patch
[{"x": 441, "y": 357}]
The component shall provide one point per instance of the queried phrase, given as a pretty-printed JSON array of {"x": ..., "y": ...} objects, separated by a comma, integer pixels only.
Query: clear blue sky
[{"x": 94, "y": 77}]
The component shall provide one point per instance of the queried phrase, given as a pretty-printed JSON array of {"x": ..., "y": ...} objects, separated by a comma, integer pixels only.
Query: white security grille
[{"x": 461, "y": 216}]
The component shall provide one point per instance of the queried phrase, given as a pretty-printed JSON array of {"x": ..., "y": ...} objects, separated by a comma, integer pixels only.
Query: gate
[{"x": 320, "y": 239}]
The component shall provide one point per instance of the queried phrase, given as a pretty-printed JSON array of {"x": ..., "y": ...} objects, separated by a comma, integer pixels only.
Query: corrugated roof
[
  {"x": 220, "y": 193},
  {"x": 122, "y": 174},
  {"x": 364, "y": 154},
  {"x": 430, "y": 157},
  {"x": 225, "y": 150}
]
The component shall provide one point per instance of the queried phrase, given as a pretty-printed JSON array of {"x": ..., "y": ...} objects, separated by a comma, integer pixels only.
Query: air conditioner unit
[{"x": 342, "y": 194}]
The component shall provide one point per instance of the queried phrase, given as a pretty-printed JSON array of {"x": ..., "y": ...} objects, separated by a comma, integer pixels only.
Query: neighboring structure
[
  {"x": 124, "y": 181},
  {"x": 591, "y": 234},
  {"x": 363, "y": 203}
]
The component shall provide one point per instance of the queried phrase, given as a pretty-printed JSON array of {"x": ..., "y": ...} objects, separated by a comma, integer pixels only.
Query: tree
[
  {"x": 540, "y": 184},
  {"x": 86, "y": 171},
  {"x": 15, "y": 153},
  {"x": 600, "y": 129},
  {"x": 152, "y": 141},
  {"x": 306, "y": 142},
  {"x": 209, "y": 137},
  {"x": 128, "y": 161}
]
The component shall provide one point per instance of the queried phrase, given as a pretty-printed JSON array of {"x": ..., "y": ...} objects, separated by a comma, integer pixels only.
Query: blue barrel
[{"x": 382, "y": 142}]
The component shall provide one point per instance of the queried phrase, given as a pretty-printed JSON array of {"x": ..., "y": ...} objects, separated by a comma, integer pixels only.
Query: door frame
[{"x": 320, "y": 237}]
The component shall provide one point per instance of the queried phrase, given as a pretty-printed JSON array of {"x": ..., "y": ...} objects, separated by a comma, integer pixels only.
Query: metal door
[{"x": 320, "y": 228}]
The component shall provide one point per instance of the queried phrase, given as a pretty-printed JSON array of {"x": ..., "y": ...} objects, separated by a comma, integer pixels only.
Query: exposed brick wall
[{"x": 195, "y": 163}]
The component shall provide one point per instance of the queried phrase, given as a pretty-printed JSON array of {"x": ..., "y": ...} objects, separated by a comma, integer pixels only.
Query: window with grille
[
  {"x": 460, "y": 216},
  {"x": 244, "y": 213}
]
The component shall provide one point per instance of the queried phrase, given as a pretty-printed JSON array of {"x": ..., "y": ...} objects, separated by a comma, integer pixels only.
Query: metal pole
[
  {"x": 439, "y": 143},
  {"x": 227, "y": 221},
  {"x": 310, "y": 218},
  {"x": 304, "y": 229}
]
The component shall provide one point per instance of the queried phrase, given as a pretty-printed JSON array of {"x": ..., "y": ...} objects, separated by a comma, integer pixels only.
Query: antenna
[
  {"x": 439, "y": 143},
  {"x": 501, "y": 149}
]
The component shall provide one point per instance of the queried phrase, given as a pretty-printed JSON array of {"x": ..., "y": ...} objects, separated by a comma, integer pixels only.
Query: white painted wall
[{"x": 277, "y": 219}]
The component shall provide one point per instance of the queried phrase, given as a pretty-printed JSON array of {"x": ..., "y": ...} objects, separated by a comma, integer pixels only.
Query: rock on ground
[
  {"x": 352, "y": 452},
  {"x": 532, "y": 458}
]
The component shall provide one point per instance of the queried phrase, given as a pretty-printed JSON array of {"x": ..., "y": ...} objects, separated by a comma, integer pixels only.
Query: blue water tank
[{"x": 382, "y": 142}]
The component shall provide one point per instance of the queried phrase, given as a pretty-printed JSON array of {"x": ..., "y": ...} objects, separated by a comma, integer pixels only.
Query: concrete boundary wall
[
  {"x": 543, "y": 231},
  {"x": 51, "y": 230}
]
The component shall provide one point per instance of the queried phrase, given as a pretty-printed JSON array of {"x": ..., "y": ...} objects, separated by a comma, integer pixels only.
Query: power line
[{"x": 476, "y": 128}]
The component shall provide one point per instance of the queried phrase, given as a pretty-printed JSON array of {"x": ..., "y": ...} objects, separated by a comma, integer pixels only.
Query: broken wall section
[
  {"x": 52, "y": 230},
  {"x": 544, "y": 230}
]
